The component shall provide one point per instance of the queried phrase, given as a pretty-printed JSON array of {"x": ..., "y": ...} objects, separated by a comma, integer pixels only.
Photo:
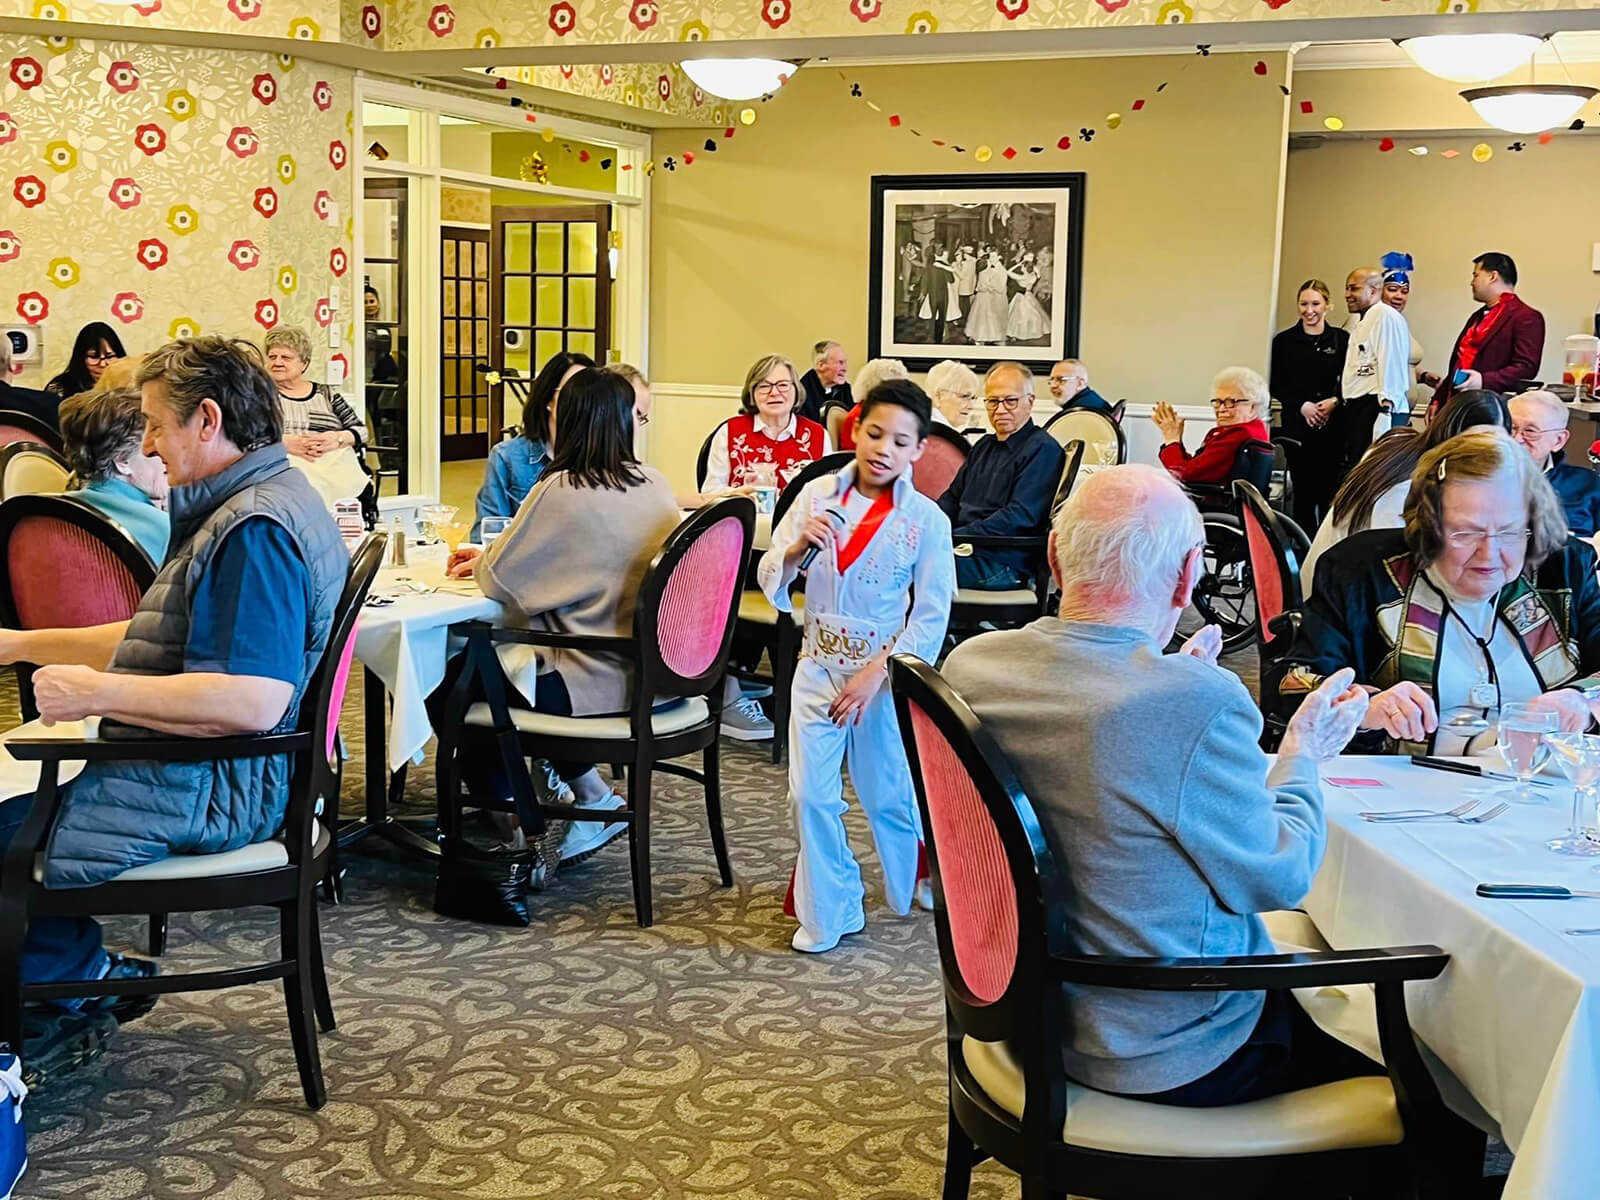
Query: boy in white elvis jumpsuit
[{"x": 881, "y": 548}]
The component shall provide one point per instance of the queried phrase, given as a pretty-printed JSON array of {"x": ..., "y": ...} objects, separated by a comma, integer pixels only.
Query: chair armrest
[
  {"x": 538, "y": 637},
  {"x": 159, "y": 749},
  {"x": 1252, "y": 973},
  {"x": 1286, "y": 625}
]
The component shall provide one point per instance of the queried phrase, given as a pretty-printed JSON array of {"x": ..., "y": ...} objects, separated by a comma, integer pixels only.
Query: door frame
[{"x": 456, "y": 447}]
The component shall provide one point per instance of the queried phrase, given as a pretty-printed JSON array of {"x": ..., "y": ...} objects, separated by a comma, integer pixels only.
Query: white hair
[
  {"x": 820, "y": 351},
  {"x": 5, "y": 356},
  {"x": 878, "y": 370},
  {"x": 1549, "y": 402},
  {"x": 1248, "y": 384},
  {"x": 1121, "y": 539},
  {"x": 951, "y": 376},
  {"x": 1075, "y": 369}
]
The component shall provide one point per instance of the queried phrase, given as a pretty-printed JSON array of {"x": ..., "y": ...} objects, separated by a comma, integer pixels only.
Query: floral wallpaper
[
  {"x": 169, "y": 191},
  {"x": 659, "y": 87},
  {"x": 304, "y": 20}
]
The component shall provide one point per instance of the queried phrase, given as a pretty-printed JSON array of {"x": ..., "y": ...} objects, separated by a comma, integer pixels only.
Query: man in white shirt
[{"x": 1377, "y": 365}]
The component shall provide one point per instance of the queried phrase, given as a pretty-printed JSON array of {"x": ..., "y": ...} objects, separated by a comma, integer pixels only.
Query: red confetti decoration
[
  {"x": 500, "y": 84},
  {"x": 1137, "y": 105},
  {"x": 1544, "y": 138},
  {"x": 531, "y": 117},
  {"x": 1386, "y": 145},
  {"x": 1307, "y": 107},
  {"x": 894, "y": 121},
  {"x": 1064, "y": 144},
  {"x": 728, "y": 132},
  {"x": 583, "y": 156},
  {"x": 1008, "y": 152},
  {"x": 688, "y": 158},
  {"x": 1261, "y": 67},
  {"x": 627, "y": 166}
]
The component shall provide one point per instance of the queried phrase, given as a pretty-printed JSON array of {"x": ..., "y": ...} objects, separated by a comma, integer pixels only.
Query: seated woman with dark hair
[
  {"x": 104, "y": 436},
  {"x": 571, "y": 561},
  {"x": 515, "y": 464},
  {"x": 1482, "y": 600}
]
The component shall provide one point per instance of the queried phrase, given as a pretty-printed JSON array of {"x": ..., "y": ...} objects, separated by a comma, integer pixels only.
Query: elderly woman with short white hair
[
  {"x": 842, "y": 426},
  {"x": 316, "y": 419},
  {"x": 953, "y": 388},
  {"x": 1240, "y": 400}
]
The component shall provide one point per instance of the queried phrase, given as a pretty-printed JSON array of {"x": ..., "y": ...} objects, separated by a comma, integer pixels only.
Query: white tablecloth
[
  {"x": 406, "y": 644},
  {"x": 1516, "y": 1015},
  {"x": 22, "y": 778}
]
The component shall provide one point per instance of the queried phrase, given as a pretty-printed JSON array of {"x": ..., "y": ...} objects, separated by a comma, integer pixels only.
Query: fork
[
  {"x": 1422, "y": 814},
  {"x": 1483, "y": 818}
]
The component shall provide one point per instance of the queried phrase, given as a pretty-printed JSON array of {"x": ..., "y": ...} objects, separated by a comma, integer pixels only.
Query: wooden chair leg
[
  {"x": 958, "y": 1156},
  {"x": 719, "y": 839},
  {"x": 299, "y": 999},
  {"x": 639, "y": 843},
  {"x": 319, "y": 979},
  {"x": 158, "y": 934}
]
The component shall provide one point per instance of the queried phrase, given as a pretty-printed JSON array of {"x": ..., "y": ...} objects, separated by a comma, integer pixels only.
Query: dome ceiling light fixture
[
  {"x": 1529, "y": 107},
  {"x": 738, "y": 78},
  {"x": 1471, "y": 57}
]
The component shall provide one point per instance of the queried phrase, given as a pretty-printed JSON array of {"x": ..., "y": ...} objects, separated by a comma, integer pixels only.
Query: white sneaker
[
  {"x": 923, "y": 896},
  {"x": 585, "y": 837},
  {"x": 743, "y": 721},
  {"x": 810, "y": 943}
]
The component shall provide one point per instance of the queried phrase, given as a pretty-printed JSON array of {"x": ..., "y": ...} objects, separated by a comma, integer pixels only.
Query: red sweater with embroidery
[
  {"x": 1213, "y": 462},
  {"x": 749, "y": 443}
]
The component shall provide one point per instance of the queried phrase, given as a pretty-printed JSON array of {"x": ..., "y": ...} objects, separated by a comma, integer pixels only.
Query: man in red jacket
[{"x": 1502, "y": 342}]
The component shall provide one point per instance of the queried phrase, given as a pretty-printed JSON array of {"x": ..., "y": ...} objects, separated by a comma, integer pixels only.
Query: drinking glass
[
  {"x": 1579, "y": 756},
  {"x": 430, "y": 518},
  {"x": 1522, "y": 733},
  {"x": 490, "y": 528},
  {"x": 453, "y": 533}
]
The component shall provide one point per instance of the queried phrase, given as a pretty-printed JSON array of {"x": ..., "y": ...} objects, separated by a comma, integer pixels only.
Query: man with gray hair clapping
[{"x": 1172, "y": 826}]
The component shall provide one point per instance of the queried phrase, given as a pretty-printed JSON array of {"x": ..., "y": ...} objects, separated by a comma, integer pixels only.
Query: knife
[
  {"x": 1532, "y": 891},
  {"x": 1461, "y": 768}
]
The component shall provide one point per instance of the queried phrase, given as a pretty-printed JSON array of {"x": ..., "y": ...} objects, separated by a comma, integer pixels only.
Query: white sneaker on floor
[
  {"x": 923, "y": 895},
  {"x": 585, "y": 837},
  {"x": 743, "y": 721},
  {"x": 810, "y": 943}
]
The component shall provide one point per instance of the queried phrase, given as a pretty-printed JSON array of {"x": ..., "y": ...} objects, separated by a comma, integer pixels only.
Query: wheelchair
[{"x": 1225, "y": 594}]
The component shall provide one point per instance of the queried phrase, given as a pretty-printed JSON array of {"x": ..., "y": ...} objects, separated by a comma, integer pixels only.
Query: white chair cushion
[
  {"x": 1006, "y": 596},
  {"x": 261, "y": 856},
  {"x": 754, "y": 606},
  {"x": 684, "y": 715},
  {"x": 1334, "y": 1116}
]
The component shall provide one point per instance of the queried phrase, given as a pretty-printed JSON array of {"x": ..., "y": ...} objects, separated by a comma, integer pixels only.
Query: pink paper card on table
[{"x": 1349, "y": 782}]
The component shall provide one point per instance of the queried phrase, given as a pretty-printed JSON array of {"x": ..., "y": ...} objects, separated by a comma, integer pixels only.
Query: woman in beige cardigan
[{"x": 571, "y": 562}]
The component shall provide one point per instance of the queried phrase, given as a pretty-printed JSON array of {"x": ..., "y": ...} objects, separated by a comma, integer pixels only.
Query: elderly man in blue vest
[{"x": 224, "y": 642}]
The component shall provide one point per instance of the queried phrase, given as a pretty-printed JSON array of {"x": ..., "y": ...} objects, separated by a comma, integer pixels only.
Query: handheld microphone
[{"x": 836, "y": 515}]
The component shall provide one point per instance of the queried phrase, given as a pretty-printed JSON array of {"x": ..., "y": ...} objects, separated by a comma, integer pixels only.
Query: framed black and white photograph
[{"x": 975, "y": 267}]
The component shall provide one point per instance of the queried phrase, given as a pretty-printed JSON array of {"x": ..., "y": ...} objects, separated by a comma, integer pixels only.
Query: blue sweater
[
  {"x": 1004, "y": 489},
  {"x": 1579, "y": 491},
  {"x": 514, "y": 467},
  {"x": 132, "y": 509}
]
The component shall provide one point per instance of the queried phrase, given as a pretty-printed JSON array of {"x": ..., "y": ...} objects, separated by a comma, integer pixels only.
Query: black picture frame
[{"x": 1001, "y": 209}]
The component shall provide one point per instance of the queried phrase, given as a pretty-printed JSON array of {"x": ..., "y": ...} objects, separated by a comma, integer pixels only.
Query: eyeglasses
[
  {"x": 1224, "y": 402},
  {"x": 766, "y": 388},
  {"x": 1471, "y": 539},
  {"x": 97, "y": 356},
  {"x": 1519, "y": 431},
  {"x": 1006, "y": 402}
]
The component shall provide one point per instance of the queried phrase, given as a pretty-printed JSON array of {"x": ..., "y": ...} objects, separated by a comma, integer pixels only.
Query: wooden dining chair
[
  {"x": 18, "y": 426},
  {"x": 1276, "y": 546},
  {"x": 30, "y": 469},
  {"x": 1103, "y": 438},
  {"x": 943, "y": 455},
  {"x": 682, "y": 628},
  {"x": 704, "y": 456},
  {"x": 1006, "y": 954},
  {"x": 281, "y": 873}
]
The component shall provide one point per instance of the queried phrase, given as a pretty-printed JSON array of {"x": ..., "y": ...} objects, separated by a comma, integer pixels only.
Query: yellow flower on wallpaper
[
  {"x": 63, "y": 272},
  {"x": 49, "y": 10},
  {"x": 1175, "y": 12},
  {"x": 182, "y": 219},
  {"x": 304, "y": 29},
  {"x": 486, "y": 39},
  {"x": 922, "y": 22},
  {"x": 58, "y": 44},
  {"x": 287, "y": 280},
  {"x": 694, "y": 31},
  {"x": 285, "y": 62},
  {"x": 183, "y": 327},
  {"x": 61, "y": 156},
  {"x": 180, "y": 103},
  {"x": 286, "y": 171}
]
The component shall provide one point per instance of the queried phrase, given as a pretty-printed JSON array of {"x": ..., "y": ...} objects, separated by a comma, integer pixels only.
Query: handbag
[{"x": 490, "y": 886}]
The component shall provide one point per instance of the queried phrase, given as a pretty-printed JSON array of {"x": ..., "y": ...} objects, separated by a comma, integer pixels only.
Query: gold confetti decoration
[
  {"x": 1333, "y": 124},
  {"x": 747, "y": 116},
  {"x": 548, "y": 134},
  {"x": 1113, "y": 120},
  {"x": 983, "y": 154},
  {"x": 1482, "y": 152}
]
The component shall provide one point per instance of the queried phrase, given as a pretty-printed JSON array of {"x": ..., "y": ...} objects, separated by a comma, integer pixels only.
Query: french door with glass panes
[
  {"x": 466, "y": 427},
  {"x": 553, "y": 286}
]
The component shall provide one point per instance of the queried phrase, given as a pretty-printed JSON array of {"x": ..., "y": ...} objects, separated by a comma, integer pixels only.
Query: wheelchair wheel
[{"x": 1225, "y": 594}]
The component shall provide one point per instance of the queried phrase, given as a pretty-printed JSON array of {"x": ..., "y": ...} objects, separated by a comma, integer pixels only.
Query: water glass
[
  {"x": 1522, "y": 744},
  {"x": 490, "y": 528},
  {"x": 1579, "y": 757},
  {"x": 431, "y": 518}
]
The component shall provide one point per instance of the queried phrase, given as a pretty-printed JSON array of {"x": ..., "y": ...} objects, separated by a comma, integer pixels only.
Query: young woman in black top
[
  {"x": 96, "y": 345},
  {"x": 1307, "y": 361}
]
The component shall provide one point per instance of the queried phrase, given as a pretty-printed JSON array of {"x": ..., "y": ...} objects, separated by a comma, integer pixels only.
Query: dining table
[{"x": 1515, "y": 1017}]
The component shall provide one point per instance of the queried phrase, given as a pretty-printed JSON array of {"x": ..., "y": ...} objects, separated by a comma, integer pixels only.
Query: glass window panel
[
  {"x": 384, "y": 278},
  {"x": 449, "y": 267},
  {"x": 549, "y": 293},
  {"x": 518, "y": 247},
  {"x": 518, "y": 300},
  {"x": 518, "y": 354},
  {"x": 464, "y": 299},
  {"x": 480, "y": 258},
  {"x": 582, "y": 244},
  {"x": 448, "y": 299},
  {"x": 580, "y": 302},
  {"x": 546, "y": 343},
  {"x": 551, "y": 239},
  {"x": 480, "y": 423},
  {"x": 389, "y": 127},
  {"x": 481, "y": 298},
  {"x": 481, "y": 341},
  {"x": 581, "y": 343},
  {"x": 449, "y": 337}
]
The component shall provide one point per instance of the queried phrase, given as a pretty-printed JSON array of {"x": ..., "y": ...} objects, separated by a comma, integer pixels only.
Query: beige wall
[
  {"x": 1347, "y": 204},
  {"x": 766, "y": 247},
  {"x": 1400, "y": 99}
]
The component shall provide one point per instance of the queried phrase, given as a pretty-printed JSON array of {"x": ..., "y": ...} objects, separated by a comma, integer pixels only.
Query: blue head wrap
[{"x": 1397, "y": 267}]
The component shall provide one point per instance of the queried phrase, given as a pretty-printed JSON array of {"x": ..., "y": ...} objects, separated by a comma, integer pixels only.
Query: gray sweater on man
[{"x": 1171, "y": 830}]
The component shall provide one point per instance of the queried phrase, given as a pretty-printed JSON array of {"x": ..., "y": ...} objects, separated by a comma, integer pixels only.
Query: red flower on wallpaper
[
  {"x": 242, "y": 140},
  {"x": 245, "y": 10},
  {"x": 244, "y": 254},
  {"x": 123, "y": 77},
  {"x": 1114, "y": 5},
  {"x": 322, "y": 205},
  {"x": 29, "y": 191},
  {"x": 338, "y": 368},
  {"x": 866, "y": 10},
  {"x": 663, "y": 87},
  {"x": 266, "y": 313},
  {"x": 127, "y": 307},
  {"x": 152, "y": 139},
  {"x": 266, "y": 202},
  {"x": 148, "y": 10},
  {"x": 442, "y": 20},
  {"x": 32, "y": 307},
  {"x": 563, "y": 19},
  {"x": 125, "y": 193},
  {"x": 322, "y": 95},
  {"x": 336, "y": 155},
  {"x": 323, "y": 312},
  {"x": 775, "y": 12},
  {"x": 1011, "y": 9},
  {"x": 338, "y": 261},
  {"x": 371, "y": 21},
  {"x": 643, "y": 14},
  {"x": 8, "y": 129},
  {"x": 566, "y": 70},
  {"x": 264, "y": 88},
  {"x": 607, "y": 75},
  {"x": 26, "y": 73},
  {"x": 152, "y": 254},
  {"x": 10, "y": 245}
]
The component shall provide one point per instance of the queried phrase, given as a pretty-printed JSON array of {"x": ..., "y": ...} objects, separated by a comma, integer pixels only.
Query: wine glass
[
  {"x": 1579, "y": 756},
  {"x": 490, "y": 528},
  {"x": 430, "y": 519},
  {"x": 1522, "y": 734},
  {"x": 453, "y": 533}
]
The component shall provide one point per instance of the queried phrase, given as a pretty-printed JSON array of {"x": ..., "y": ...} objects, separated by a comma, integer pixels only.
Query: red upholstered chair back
[
  {"x": 942, "y": 456},
  {"x": 25, "y": 427},
  {"x": 1273, "y": 565}
]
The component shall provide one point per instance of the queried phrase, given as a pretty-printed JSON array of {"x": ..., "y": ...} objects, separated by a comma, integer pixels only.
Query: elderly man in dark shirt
[
  {"x": 21, "y": 399},
  {"x": 1005, "y": 487},
  {"x": 1539, "y": 422}
]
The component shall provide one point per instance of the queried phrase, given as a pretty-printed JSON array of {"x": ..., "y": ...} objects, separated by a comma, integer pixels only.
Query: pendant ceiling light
[
  {"x": 1471, "y": 57},
  {"x": 1529, "y": 107},
  {"x": 738, "y": 78}
]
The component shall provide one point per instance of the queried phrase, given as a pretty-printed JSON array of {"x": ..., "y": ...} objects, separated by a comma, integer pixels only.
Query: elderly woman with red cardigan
[{"x": 1240, "y": 400}]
